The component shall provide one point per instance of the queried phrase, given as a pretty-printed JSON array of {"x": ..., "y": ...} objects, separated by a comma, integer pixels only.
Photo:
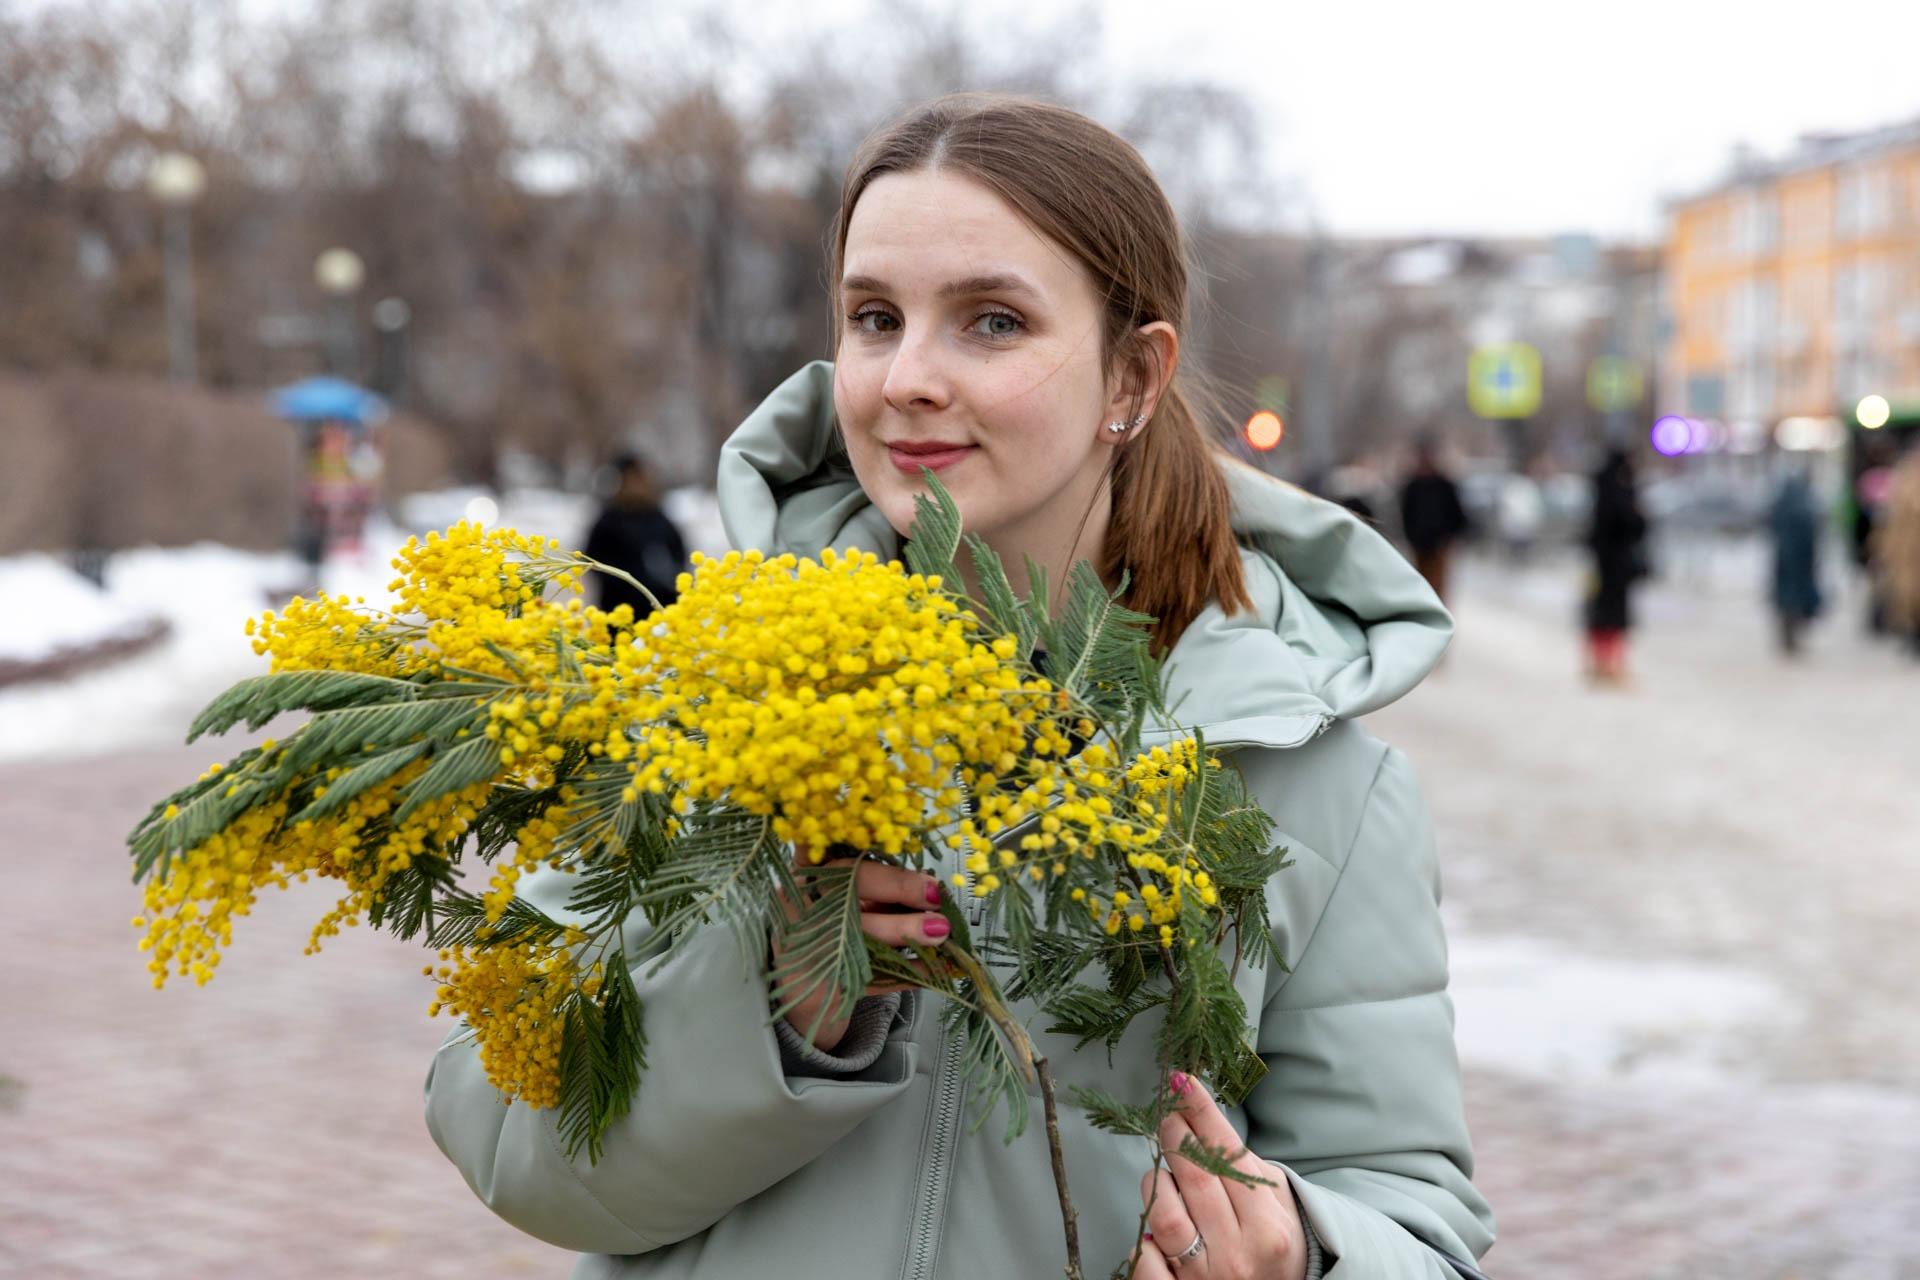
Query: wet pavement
[{"x": 1686, "y": 923}]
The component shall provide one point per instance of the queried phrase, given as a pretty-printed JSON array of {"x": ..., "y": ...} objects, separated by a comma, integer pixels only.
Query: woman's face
[{"x": 970, "y": 344}]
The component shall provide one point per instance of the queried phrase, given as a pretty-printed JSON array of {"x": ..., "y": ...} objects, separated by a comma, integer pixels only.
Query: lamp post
[
  {"x": 392, "y": 318},
  {"x": 339, "y": 273},
  {"x": 175, "y": 180}
]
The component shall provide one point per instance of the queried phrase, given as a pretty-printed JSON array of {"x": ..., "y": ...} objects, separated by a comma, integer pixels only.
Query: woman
[
  {"x": 1010, "y": 298},
  {"x": 1896, "y": 550},
  {"x": 1794, "y": 522},
  {"x": 1617, "y": 539}
]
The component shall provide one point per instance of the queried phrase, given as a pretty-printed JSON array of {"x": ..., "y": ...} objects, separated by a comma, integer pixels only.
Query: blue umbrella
[{"x": 328, "y": 400}]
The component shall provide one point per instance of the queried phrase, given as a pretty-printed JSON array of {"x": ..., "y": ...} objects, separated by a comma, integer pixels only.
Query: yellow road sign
[
  {"x": 1614, "y": 383},
  {"x": 1271, "y": 394},
  {"x": 1503, "y": 381}
]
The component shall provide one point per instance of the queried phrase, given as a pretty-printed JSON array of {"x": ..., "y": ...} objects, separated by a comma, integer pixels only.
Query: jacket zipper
[
  {"x": 946, "y": 1123},
  {"x": 933, "y": 1187}
]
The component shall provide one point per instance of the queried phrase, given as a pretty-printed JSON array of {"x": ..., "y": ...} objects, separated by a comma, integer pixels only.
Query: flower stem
[
  {"x": 1068, "y": 1218},
  {"x": 625, "y": 577},
  {"x": 1035, "y": 1066}
]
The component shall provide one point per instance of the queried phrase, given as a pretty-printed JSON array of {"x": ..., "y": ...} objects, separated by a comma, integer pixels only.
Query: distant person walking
[
  {"x": 1617, "y": 539},
  {"x": 1866, "y": 500},
  {"x": 1432, "y": 517},
  {"x": 1520, "y": 513},
  {"x": 1795, "y": 525},
  {"x": 634, "y": 534},
  {"x": 1896, "y": 550}
]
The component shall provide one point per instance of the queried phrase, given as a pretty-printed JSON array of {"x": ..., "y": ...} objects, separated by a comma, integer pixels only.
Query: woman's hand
[
  {"x": 1248, "y": 1233},
  {"x": 898, "y": 907}
]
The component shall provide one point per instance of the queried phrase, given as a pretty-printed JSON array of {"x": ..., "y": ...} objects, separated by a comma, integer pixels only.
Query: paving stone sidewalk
[{"x": 267, "y": 1125}]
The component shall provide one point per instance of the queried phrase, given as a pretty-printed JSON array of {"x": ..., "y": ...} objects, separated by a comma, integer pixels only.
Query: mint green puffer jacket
[{"x": 749, "y": 1155}]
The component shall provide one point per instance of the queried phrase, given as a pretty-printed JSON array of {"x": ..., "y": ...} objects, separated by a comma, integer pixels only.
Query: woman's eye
[
  {"x": 999, "y": 324},
  {"x": 883, "y": 321}
]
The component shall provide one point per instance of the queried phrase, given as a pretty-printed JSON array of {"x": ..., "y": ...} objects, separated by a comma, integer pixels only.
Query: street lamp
[
  {"x": 391, "y": 318},
  {"x": 175, "y": 180},
  {"x": 339, "y": 273}
]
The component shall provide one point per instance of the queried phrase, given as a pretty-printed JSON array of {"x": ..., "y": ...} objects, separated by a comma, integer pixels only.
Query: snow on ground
[
  {"x": 1533, "y": 1007},
  {"x": 207, "y": 593},
  {"x": 66, "y": 612}
]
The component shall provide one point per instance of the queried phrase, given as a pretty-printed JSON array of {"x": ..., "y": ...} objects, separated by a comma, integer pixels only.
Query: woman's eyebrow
[{"x": 966, "y": 287}]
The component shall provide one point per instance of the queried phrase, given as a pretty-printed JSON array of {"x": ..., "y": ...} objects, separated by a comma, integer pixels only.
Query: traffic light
[{"x": 1264, "y": 430}]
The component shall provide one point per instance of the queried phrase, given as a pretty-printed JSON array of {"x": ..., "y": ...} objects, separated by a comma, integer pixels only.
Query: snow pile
[
  {"x": 207, "y": 593},
  {"x": 49, "y": 610},
  {"x": 1534, "y": 1007}
]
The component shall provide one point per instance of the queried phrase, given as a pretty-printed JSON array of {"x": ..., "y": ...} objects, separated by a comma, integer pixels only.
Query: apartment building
[{"x": 1793, "y": 286}]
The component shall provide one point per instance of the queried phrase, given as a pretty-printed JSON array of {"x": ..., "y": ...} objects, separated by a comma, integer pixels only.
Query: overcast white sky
[
  {"x": 1531, "y": 116},
  {"x": 1524, "y": 117}
]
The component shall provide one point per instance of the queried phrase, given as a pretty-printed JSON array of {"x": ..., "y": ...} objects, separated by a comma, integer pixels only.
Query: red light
[{"x": 1264, "y": 430}]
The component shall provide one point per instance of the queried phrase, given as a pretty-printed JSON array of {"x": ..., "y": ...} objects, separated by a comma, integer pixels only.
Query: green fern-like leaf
[
  {"x": 323, "y": 740},
  {"x": 461, "y": 921},
  {"x": 1007, "y": 612},
  {"x": 454, "y": 767},
  {"x": 1206, "y": 1025},
  {"x": 724, "y": 868},
  {"x": 992, "y": 1075},
  {"x": 405, "y": 906},
  {"x": 508, "y": 808},
  {"x": 1100, "y": 650},
  {"x": 258, "y": 699},
  {"x": 823, "y": 952},
  {"x": 362, "y": 778},
  {"x": 600, "y": 817},
  {"x": 1048, "y": 964},
  {"x": 1012, "y": 908},
  {"x": 205, "y": 806},
  {"x": 1089, "y": 1014},
  {"x": 1219, "y": 1162},
  {"x": 1111, "y": 1115},
  {"x": 602, "y": 1056},
  {"x": 934, "y": 537}
]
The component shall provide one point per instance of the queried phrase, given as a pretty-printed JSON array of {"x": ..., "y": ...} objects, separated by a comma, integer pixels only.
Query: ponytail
[{"x": 1171, "y": 531}]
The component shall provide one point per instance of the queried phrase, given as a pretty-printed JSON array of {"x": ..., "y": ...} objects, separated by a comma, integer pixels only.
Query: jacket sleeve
[
  {"x": 1362, "y": 1102},
  {"x": 716, "y": 1120}
]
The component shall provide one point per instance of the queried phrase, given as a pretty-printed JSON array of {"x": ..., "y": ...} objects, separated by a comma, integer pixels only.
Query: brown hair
[{"x": 1087, "y": 189}]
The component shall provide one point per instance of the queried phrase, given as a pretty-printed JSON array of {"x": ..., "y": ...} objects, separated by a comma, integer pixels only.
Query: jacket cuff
[
  {"x": 1357, "y": 1240},
  {"x": 1316, "y": 1256},
  {"x": 858, "y": 1049}
]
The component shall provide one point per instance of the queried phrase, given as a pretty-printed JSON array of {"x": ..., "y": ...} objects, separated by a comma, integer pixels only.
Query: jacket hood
[{"x": 1341, "y": 624}]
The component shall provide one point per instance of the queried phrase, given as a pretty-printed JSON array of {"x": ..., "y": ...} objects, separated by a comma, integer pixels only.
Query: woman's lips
[{"x": 934, "y": 460}]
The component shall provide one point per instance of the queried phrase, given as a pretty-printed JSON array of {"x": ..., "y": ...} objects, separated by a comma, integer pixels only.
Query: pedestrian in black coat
[
  {"x": 1617, "y": 539},
  {"x": 1432, "y": 517},
  {"x": 634, "y": 534}
]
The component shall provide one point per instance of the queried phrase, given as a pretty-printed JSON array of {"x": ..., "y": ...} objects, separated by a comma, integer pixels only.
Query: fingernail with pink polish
[
  {"x": 1179, "y": 1083},
  {"x": 933, "y": 893},
  {"x": 935, "y": 927}
]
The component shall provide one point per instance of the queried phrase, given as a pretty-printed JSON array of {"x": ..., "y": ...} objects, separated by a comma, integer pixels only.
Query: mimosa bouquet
[{"x": 842, "y": 706}]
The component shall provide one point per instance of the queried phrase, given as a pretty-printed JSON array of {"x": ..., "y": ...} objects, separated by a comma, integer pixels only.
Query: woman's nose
[{"x": 916, "y": 379}]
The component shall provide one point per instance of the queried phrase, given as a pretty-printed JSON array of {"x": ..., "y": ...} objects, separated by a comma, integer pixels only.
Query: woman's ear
[{"x": 1144, "y": 369}]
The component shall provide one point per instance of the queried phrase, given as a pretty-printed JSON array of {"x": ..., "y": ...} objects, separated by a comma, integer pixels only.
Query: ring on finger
[{"x": 1188, "y": 1254}]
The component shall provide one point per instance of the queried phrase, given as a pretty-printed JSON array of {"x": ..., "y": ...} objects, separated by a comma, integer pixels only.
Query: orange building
[{"x": 1793, "y": 286}]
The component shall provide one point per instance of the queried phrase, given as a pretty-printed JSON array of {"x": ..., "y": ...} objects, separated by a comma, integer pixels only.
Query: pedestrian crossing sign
[
  {"x": 1503, "y": 380},
  {"x": 1613, "y": 384},
  {"x": 1271, "y": 394}
]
